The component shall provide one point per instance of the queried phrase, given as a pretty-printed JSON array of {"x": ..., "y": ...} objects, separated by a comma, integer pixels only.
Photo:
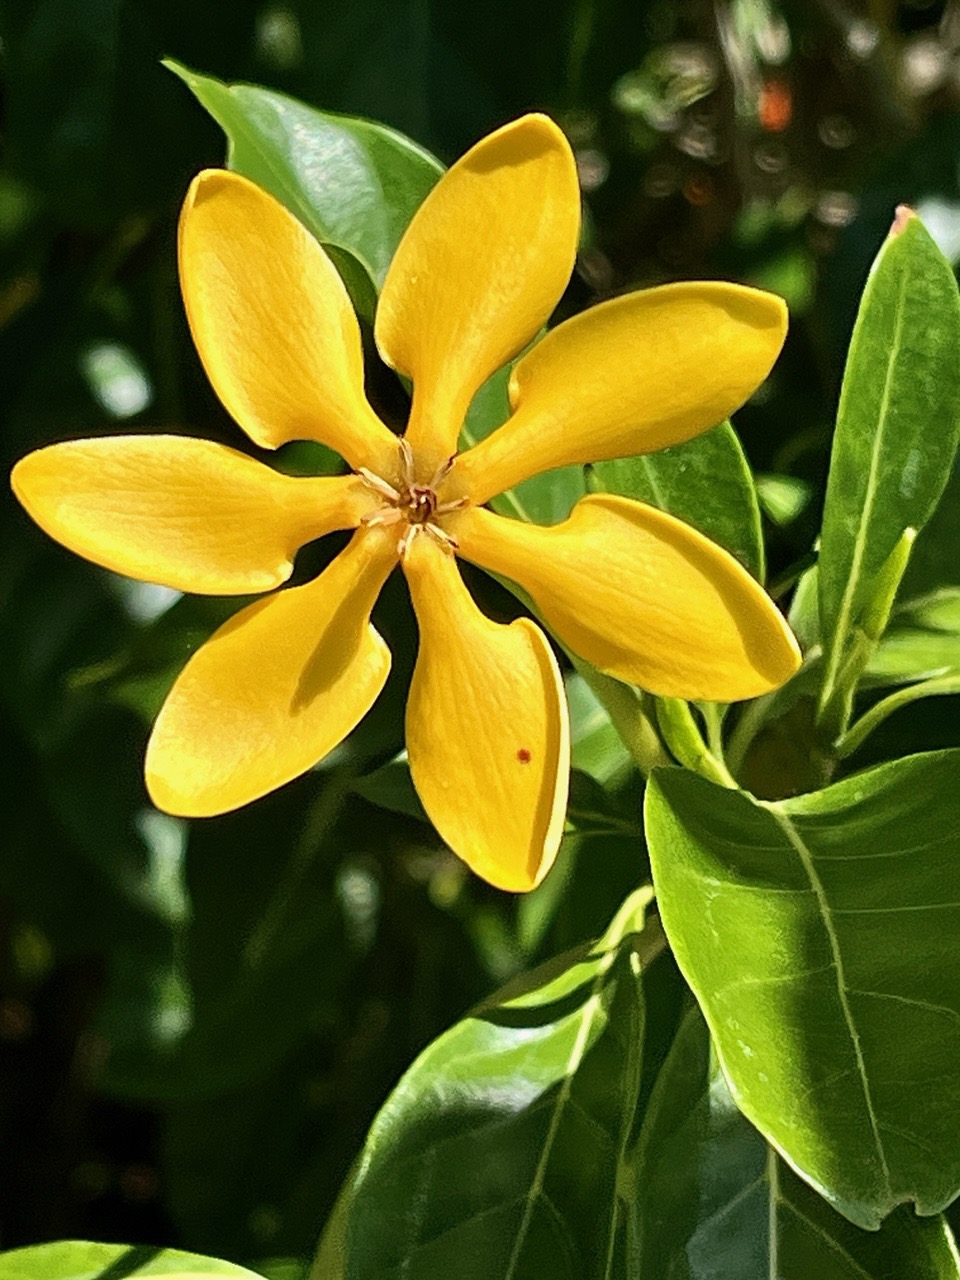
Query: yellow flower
[{"x": 632, "y": 590}]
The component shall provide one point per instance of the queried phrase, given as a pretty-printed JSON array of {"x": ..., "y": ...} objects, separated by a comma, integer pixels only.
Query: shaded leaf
[
  {"x": 714, "y": 1202},
  {"x": 595, "y": 745},
  {"x": 923, "y": 641},
  {"x": 498, "y": 1153}
]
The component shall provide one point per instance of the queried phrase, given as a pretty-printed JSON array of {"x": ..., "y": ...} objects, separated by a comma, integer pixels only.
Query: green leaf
[
  {"x": 819, "y": 935},
  {"x": 935, "y": 562},
  {"x": 706, "y": 482},
  {"x": 897, "y": 427},
  {"x": 783, "y": 498},
  {"x": 713, "y": 1201},
  {"x": 871, "y": 720},
  {"x": 498, "y": 1153},
  {"x": 354, "y": 184},
  {"x": 923, "y": 641},
  {"x": 81, "y": 1260},
  {"x": 391, "y": 787}
]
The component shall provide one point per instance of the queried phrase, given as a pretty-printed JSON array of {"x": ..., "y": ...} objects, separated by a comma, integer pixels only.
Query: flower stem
[{"x": 682, "y": 735}]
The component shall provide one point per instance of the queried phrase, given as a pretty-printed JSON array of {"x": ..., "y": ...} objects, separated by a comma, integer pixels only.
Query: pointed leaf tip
[{"x": 901, "y": 217}]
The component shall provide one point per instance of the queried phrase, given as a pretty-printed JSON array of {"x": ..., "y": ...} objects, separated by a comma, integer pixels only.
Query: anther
[
  {"x": 442, "y": 472},
  {"x": 446, "y": 540}
]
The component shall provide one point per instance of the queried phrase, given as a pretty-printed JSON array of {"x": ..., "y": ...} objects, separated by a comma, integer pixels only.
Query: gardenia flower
[{"x": 636, "y": 592}]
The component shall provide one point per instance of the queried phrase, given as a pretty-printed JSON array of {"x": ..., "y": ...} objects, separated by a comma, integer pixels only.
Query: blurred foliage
[{"x": 198, "y": 1022}]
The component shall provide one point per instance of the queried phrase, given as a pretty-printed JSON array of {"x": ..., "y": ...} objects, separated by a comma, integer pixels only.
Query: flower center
[
  {"x": 421, "y": 504},
  {"x": 408, "y": 502}
]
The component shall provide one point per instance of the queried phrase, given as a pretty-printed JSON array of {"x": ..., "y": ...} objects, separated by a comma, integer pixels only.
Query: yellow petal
[
  {"x": 274, "y": 689},
  {"x": 630, "y": 376},
  {"x": 487, "y": 731},
  {"x": 186, "y": 513},
  {"x": 479, "y": 270},
  {"x": 273, "y": 324},
  {"x": 642, "y": 596}
]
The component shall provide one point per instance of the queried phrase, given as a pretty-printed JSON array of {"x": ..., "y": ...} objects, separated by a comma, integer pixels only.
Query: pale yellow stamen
[{"x": 408, "y": 501}]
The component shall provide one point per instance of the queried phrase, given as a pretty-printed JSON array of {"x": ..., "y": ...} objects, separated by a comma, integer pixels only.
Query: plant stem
[
  {"x": 854, "y": 737},
  {"x": 683, "y": 737}
]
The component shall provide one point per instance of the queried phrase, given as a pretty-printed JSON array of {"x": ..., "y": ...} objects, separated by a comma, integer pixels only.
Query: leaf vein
[{"x": 807, "y": 859}]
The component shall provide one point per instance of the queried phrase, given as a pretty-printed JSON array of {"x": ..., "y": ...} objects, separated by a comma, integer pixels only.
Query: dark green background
[{"x": 191, "y": 1048}]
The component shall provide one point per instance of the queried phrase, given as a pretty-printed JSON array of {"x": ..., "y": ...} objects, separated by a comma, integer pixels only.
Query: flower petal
[
  {"x": 479, "y": 270},
  {"x": 274, "y": 689},
  {"x": 186, "y": 513},
  {"x": 630, "y": 376},
  {"x": 273, "y": 324},
  {"x": 487, "y": 731},
  {"x": 642, "y": 596}
]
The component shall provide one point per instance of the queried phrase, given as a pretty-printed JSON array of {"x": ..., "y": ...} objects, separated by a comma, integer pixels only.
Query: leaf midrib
[
  {"x": 846, "y": 601},
  {"x": 591, "y": 1008},
  {"x": 805, "y": 854}
]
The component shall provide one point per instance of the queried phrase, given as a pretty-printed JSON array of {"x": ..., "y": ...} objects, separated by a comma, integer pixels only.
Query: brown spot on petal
[{"x": 523, "y": 755}]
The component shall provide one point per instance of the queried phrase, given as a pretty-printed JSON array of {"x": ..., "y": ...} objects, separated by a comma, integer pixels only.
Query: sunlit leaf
[
  {"x": 81, "y": 1260},
  {"x": 819, "y": 935},
  {"x": 353, "y": 183},
  {"x": 897, "y": 426}
]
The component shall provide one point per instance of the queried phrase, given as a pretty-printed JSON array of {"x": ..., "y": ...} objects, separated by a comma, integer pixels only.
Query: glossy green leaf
[
  {"x": 82, "y": 1260},
  {"x": 935, "y": 563},
  {"x": 783, "y": 498},
  {"x": 705, "y": 481},
  {"x": 391, "y": 787},
  {"x": 923, "y": 641},
  {"x": 498, "y": 1153},
  {"x": 897, "y": 426},
  {"x": 595, "y": 745},
  {"x": 354, "y": 184},
  {"x": 820, "y": 935},
  {"x": 713, "y": 1201}
]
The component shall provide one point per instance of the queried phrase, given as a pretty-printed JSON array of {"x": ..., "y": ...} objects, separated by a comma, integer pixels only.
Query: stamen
[
  {"x": 382, "y": 516},
  {"x": 378, "y": 485},
  {"x": 406, "y": 463},
  {"x": 440, "y": 536},
  {"x": 414, "y": 505},
  {"x": 446, "y": 507},
  {"x": 447, "y": 541},
  {"x": 442, "y": 472},
  {"x": 403, "y": 546}
]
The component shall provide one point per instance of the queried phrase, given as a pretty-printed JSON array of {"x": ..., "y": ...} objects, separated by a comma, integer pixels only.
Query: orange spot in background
[
  {"x": 775, "y": 107},
  {"x": 698, "y": 190},
  {"x": 523, "y": 755}
]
